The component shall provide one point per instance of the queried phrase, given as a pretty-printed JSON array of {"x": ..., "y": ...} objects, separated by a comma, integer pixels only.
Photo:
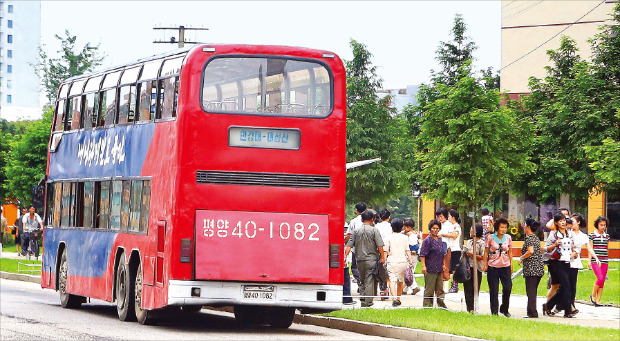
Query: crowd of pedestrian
[{"x": 385, "y": 253}]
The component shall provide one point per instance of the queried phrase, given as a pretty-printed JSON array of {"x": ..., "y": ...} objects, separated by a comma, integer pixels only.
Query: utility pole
[{"x": 181, "y": 40}]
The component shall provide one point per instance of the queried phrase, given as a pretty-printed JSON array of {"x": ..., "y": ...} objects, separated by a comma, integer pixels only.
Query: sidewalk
[{"x": 589, "y": 315}]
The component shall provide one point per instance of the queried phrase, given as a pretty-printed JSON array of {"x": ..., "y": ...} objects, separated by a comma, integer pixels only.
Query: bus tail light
[
  {"x": 334, "y": 255},
  {"x": 186, "y": 250}
]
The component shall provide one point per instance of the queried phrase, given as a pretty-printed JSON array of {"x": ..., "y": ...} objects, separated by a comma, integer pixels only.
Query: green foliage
[
  {"x": 573, "y": 108},
  {"x": 465, "y": 145},
  {"x": 9, "y": 132},
  {"x": 28, "y": 159},
  {"x": 70, "y": 63},
  {"x": 468, "y": 145},
  {"x": 372, "y": 132}
]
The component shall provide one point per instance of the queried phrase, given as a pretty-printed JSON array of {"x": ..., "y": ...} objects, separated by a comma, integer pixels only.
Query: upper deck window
[{"x": 269, "y": 86}]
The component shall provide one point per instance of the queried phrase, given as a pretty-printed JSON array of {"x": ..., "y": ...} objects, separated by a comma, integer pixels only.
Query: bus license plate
[{"x": 259, "y": 293}]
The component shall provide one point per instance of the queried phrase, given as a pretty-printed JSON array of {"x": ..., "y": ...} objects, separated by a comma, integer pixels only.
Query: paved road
[{"x": 28, "y": 312}]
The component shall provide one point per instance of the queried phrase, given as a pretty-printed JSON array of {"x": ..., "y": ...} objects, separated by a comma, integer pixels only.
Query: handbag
[
  {"x": 408, "y": 276},
  {"x": 462, "y": 273}
]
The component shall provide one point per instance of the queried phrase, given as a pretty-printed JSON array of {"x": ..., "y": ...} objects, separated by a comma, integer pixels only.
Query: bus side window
[
  {"x": 49, "y": 207},
  {"x": 76, "y": 112},
  {"x": 136, "y": 196},
  {"x": 79, "y": 205},
  {"x": 145, "y": 206},
  {"x": 57, "y": 204},
  {"x": 87, "y": 216},
  {"x": 60, "y": 116},
  {"x": 73, "y": 209},
  {"x": 125, "y": 198},
  {"x": 115, "y": 205},
  {"x": 145, "y": 102},
  {"x": 168, "y": 93},
  {"x": 108, "y": 108},
  {"x": 103, "y": 213},
  {"x": 65, "y": 205},
  {"x": 127, "y": 100},
  {"x": 89, "y": 119}
]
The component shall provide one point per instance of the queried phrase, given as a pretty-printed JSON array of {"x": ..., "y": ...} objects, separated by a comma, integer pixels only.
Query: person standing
[
  {"x": 368, "y": 250},
  {"x": 446, "y": 228},
  {"x": 487, "y": 223},
  {"x": 453, "y": 239},
  {"x": 346, "y": 283},
  {"x": 533, "y": 266},
  {"x": 477, "y": 234},
  {"x": 354, "y": 224},
  {"x": 581, "y": 239},
  {"x": 31, "y": 222},
  {"x": 498, "y": 265},
  {"x": 385, "y": 229},
  {"x": 433, "y": 266},
  {"x": 3, "y": 226},
  {"x": 559, "y": 249},
  {"x": 398, "y": 256},
  {"x": 19, "y": 229},
  {"x": 599, "y": 240},
  {"x": 415, "y": 239}
]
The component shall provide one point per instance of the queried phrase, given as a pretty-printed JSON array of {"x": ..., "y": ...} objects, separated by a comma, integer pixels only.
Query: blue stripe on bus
[
  {"x": 109, "y": 152},
  {"x": 88, "y": 251}
]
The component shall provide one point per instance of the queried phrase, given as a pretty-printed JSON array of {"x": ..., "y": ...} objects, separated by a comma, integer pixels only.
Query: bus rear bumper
[{"x": 216, "y": 293}]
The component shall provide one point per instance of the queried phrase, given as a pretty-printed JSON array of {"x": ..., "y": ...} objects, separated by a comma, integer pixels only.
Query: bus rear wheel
[
  {"x": 124, "y": 292},
  {"x": 143, "y": 316},
  {"x": 278, "y": 317},
  {"x": 66, "y": 300}
]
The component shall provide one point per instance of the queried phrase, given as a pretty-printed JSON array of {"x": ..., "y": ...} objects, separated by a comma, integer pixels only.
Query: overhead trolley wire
[{"x": 557, "y": 34}]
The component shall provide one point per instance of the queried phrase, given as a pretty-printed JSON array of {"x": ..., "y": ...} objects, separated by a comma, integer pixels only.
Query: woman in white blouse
[{"x": 398, "y": 256}]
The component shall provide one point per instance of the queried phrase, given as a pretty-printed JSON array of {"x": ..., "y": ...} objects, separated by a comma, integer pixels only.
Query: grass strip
[
  {"x": 10, "y": 265},
  {"x": 585, "y": 281},
  {"x": 478, "y": 326}
]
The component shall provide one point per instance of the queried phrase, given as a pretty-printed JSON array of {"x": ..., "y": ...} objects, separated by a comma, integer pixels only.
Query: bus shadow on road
[{"x": 203, "y": 321}]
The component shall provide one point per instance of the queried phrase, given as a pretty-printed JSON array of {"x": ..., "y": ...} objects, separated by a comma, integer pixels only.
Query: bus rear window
[{"x": 267, "y": 86}]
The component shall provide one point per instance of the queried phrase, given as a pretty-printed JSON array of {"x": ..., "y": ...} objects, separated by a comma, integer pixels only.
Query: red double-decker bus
[{"x": 208, "y": 176}]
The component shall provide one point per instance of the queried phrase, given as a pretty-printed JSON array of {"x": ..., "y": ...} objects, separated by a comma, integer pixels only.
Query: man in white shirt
[
  {"x": 31, "y": 221},
  {"x": 355, "y": 223},
  {"x": 385, "y": 229}
]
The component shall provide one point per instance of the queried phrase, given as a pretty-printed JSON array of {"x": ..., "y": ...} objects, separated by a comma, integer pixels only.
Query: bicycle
[{"x": 33, "y": 244}]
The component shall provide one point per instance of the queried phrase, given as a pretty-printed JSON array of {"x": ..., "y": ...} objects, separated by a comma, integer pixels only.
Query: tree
[
  {"x": 9, "y": 132},
  {"x": 70, "y": 63},
  {"x": 466, "y": 144},
  {"x": 28, "y": 159},
  {"x": 372, "y": 132},
  {"x": 573, "y": 107},
  {"x": 605, "y": 158}
]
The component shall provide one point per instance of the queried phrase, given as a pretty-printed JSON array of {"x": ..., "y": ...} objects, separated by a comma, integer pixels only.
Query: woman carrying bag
[
  {"x": 468, "y": 286},
  {"x": 533, "y": 266}
]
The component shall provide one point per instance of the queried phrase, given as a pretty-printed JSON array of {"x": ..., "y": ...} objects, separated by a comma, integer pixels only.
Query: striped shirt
[{"x": 600, "y": 245}]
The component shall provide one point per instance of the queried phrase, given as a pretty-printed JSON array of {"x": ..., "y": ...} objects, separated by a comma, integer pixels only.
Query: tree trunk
[{"x": 475, "y": 272}]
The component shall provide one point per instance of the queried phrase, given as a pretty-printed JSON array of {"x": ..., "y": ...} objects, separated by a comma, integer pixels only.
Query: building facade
[{"x": 20, "y": 38}]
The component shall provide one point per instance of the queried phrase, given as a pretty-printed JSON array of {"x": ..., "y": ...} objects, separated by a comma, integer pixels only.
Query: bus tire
[
  {"x": 247, "y": 315},
  {"x": 125, "y": 296},
  {"x": 143, "y": 316},
  {"x": 280, "y": 318},
  {"x": 67, "y": 300}
]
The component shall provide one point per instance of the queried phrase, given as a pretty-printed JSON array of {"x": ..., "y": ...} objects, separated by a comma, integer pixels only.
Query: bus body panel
[{"x": 205, "y": 148}]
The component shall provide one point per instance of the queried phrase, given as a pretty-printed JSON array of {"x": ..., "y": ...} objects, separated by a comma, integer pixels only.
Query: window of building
[
  {"x": 9, "y": 84},
  {"x": 613, "y": 214},
  {"x": 9, "y": 24},
  {"x": 10, "y": 8},
  {"x": 9, "y": 68},
  {"x": 9, "y": 99},
  {"x": 9, "y": 53},
  {"x": 9, "y": 38}
]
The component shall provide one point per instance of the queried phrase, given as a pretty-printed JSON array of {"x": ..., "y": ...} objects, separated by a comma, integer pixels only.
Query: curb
[
  {"x": 20, "y": 277},
  {"x": 376, "y": 329}
]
